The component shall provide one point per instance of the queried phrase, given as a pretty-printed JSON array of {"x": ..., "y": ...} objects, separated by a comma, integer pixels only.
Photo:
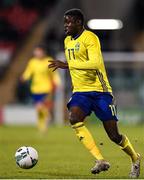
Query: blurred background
[{"x": 25, "y": 23}]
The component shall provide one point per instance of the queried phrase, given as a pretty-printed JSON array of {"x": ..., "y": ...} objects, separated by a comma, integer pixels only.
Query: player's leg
[
  {"x": 42, "y": 113},
  {"x": 122, "y": 140},
  {"x": 48, "y": 106},
  {"x": 105, "y": 110},
  {"x": 113, "y": 133},
  {"x": 76, "y": 117},
  {"x": 77, "y": 113}
]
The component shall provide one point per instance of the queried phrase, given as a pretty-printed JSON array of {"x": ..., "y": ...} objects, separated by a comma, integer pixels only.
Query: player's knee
[
  {"x": 73, "y": 119},
  {"x": 39, "y": 107}
]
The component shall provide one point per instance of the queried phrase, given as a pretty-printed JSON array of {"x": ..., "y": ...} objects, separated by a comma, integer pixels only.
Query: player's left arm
[{"x": 94, "y": 55}]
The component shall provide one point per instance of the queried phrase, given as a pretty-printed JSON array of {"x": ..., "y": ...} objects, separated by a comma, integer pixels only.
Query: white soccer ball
[{"x": 26, "y": 157}]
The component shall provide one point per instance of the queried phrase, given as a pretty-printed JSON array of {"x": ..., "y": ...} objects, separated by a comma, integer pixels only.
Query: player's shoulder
[
  {"x": 32, "y": 61},
  {"x": 89, "y": 34},
  {"x": 67, "y": 39}
]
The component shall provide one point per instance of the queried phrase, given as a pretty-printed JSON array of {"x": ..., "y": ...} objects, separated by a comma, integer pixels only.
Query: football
[{"x": 26, "y": 157}]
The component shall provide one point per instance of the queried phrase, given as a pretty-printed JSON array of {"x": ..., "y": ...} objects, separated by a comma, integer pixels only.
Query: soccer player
[
  {"x": 91, "y": 91},
  {"x": 43, "y": 82}
]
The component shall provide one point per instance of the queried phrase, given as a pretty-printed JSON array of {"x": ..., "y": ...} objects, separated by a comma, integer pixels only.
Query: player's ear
[{"x": 78, "y": 22}]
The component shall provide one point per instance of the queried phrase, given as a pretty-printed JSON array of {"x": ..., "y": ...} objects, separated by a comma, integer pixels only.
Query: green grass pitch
[{"x": 62, "y": 156}]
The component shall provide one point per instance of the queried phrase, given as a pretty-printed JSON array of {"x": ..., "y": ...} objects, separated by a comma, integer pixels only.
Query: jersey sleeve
[
  {"x": 94, "y": 54},
  {"x": 28, "y": 71}
]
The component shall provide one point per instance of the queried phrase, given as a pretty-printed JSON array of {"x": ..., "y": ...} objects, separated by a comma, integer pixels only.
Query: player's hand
[
  {"x": 55, "y": 64},
  {"x": 21, "y": 79}
]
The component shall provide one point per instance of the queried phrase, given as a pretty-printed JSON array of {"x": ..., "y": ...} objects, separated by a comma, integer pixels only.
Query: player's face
[
  {"x": 70, "y": 26},
  {"x": 39, "y": 53}
]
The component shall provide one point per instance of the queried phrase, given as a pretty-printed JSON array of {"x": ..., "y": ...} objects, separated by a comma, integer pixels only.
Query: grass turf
[{"x": 62, "y": 156}]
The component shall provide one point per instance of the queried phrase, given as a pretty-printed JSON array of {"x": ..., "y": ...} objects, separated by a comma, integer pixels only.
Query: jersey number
[
  {"x": 113, "y": 109},
  {"x": 71, "y": 54}
]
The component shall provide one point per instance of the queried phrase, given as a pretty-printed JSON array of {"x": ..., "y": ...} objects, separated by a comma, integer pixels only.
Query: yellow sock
[
  {"x": 86, "y": 138},
  {"x": 42, "y": 120},
  {"x": 127, "y": 147}
]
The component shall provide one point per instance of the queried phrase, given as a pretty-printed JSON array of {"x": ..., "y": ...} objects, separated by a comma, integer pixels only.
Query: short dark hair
[
  {"x": 42, "y": 46},
  {"x": 77, "y": 13}
]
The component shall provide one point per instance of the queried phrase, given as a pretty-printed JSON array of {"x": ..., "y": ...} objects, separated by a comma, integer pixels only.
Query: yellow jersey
[
  {"x": 42, "y": 78},
  {"x": 86, "y": 64}
]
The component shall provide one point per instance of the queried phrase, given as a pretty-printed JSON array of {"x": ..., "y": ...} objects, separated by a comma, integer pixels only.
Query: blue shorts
[
  {"x": 101, "y": 103},
  {"x": 39, "y": 97}
]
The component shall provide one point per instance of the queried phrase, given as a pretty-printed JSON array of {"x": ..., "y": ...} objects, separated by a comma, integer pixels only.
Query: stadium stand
[
  {"x": 21, "y": 24},
  {"x": 16, "y": 21}
]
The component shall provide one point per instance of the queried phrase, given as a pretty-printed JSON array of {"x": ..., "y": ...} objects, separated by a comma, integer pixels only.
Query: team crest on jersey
[{"x": 77, "y": 46}]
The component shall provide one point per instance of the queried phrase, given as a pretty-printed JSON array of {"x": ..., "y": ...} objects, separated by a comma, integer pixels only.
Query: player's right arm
[{"x": 28, "y": 72}]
